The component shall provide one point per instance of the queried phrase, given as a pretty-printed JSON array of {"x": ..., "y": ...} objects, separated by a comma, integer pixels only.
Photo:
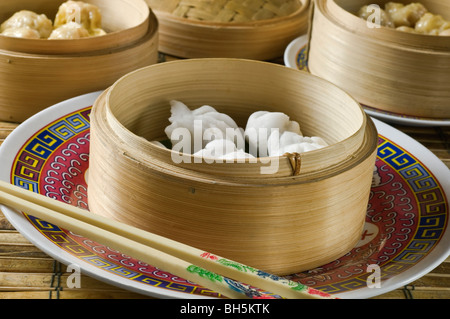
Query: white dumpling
[
  {"x": 261, "y": 124},
  {"x": 290, "y": 142},
  {"x": 217, "y": 148},
  {"x": 28, "y": 19},
  {"x": 238, "y": 154},
  {"x": 222, "y": 149},
  {"x": 204, "y": 120},
  {"x": 71, "y": 30}
]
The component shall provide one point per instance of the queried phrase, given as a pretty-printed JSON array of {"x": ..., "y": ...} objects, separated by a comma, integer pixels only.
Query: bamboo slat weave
[{"x": 227, "y": 10}]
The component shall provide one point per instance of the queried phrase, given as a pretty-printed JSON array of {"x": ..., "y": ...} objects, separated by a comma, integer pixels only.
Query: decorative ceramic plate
[
  {"x": 406, "y": 235},
  {"x": 296, "y": 56}
]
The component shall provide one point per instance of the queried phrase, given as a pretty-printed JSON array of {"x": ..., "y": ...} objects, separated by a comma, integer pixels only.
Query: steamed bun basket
[
  {"x": 281, "y": 222},
  {"x": 261, "y": 40},
  {"x": 390, "y": 70},
  {"x": 37, "y": 73}
]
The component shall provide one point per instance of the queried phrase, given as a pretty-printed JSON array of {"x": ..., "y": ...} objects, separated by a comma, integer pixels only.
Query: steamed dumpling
[
  {"x": 206, "y": 121},
  {"x": 432, "y": 24},
  {"x": 405, "y": 15},
  {"x": 25, "y": 33},
  {"x": 17, "y": 24},
  {"x": 261, "y": 124},
  {"x": 71, "y": 30},
  {"x": 366, "y": 13},
  {"x": 222, "y": 149},
  {"x": 445, "y": 32},
  {"x": 85, "y": 14},
  {"x": 290, "y": 142},
  {"x": 411, "y": 18}
]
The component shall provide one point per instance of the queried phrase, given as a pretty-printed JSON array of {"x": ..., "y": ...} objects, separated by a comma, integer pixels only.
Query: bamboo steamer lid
[
  {"x": 280, "y": 222},
  {"x": 37, "y": 73},
  {"x": 393, "y": 71},
  {"x": 195, "y": 34}
]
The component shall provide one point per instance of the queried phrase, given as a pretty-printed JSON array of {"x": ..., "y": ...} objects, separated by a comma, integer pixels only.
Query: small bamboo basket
[
  {"x": 307, "y": 213},
  {"x": 393, "y": 71},
  {"x": 189, "y": 28},
  {"x": 36, "y": 73}
]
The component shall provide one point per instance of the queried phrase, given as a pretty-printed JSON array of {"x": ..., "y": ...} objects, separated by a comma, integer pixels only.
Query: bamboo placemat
[{"x": 28, "y": 273}]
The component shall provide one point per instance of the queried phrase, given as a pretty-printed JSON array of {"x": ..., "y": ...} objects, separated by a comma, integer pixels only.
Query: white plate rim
[{"x": 442, "y": 250}]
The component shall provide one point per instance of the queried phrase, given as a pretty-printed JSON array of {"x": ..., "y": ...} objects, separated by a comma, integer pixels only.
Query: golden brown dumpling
[
  {"x": 30, "y": 20},
  {"x": 403, "y": 15},
  {"x": 85, "y": 14},
  {"x": 71, "y": 30},
  {"x": 365, "y": 12},
  {"x": 406, "y": 29},
  {"x": 432, "y": 24},
  {"x": 445, "y": 32},
  {"x": 25, "y": 33}
]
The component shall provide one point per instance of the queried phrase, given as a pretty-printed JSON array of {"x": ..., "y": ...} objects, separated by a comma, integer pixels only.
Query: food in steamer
[
  {"x": 266, "y": 134},
  {"x": 413, "y": 18},
  {"x": 85, "y": 14},
  {"x": 227, "y": 11},
  {"x": 74, "y": 20},
  {"x": 27, "y": 24}
]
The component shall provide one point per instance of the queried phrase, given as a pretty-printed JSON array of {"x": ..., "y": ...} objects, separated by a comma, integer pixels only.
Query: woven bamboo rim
[
  {"x": 390, "y": 70},
  {"x": 50, "y": 79},
  {"x": 347, "y": 114},
  {"x": 282, "y": 223},
  {"x": 126, "y": 22},
  {"x": 260, "y": 39}
]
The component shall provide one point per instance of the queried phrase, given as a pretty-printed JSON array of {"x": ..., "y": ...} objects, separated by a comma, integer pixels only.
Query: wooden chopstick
[{"x": 208, "y": 270}]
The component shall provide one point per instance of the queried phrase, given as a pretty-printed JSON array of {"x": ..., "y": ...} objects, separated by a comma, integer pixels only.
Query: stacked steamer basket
[
  {"x": 305, "y": 213},
  {"x": 258, "y": 29},
  {"x": 37, "y": 73},
  {"x": 393, "y": 71}
]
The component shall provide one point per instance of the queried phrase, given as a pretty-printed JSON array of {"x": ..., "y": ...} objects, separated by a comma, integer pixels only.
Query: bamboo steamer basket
[
  {"x": 36, "y": 73},
  {"x": 307, "y": 213},
  {"x": 389, "y": 70},
  {"x": 261, "y": 40}
]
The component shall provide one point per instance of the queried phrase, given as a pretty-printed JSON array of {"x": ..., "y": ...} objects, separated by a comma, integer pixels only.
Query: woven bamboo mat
[{"x": 28, "y": 273}]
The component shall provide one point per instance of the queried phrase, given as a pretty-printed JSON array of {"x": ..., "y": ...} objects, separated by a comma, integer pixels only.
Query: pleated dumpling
[
  {"x": 222, "y": 149},
  {"x": 203, "y": 125},
  {"x": 260, "y": 126},
  {"x": 290, "y": 142}
]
